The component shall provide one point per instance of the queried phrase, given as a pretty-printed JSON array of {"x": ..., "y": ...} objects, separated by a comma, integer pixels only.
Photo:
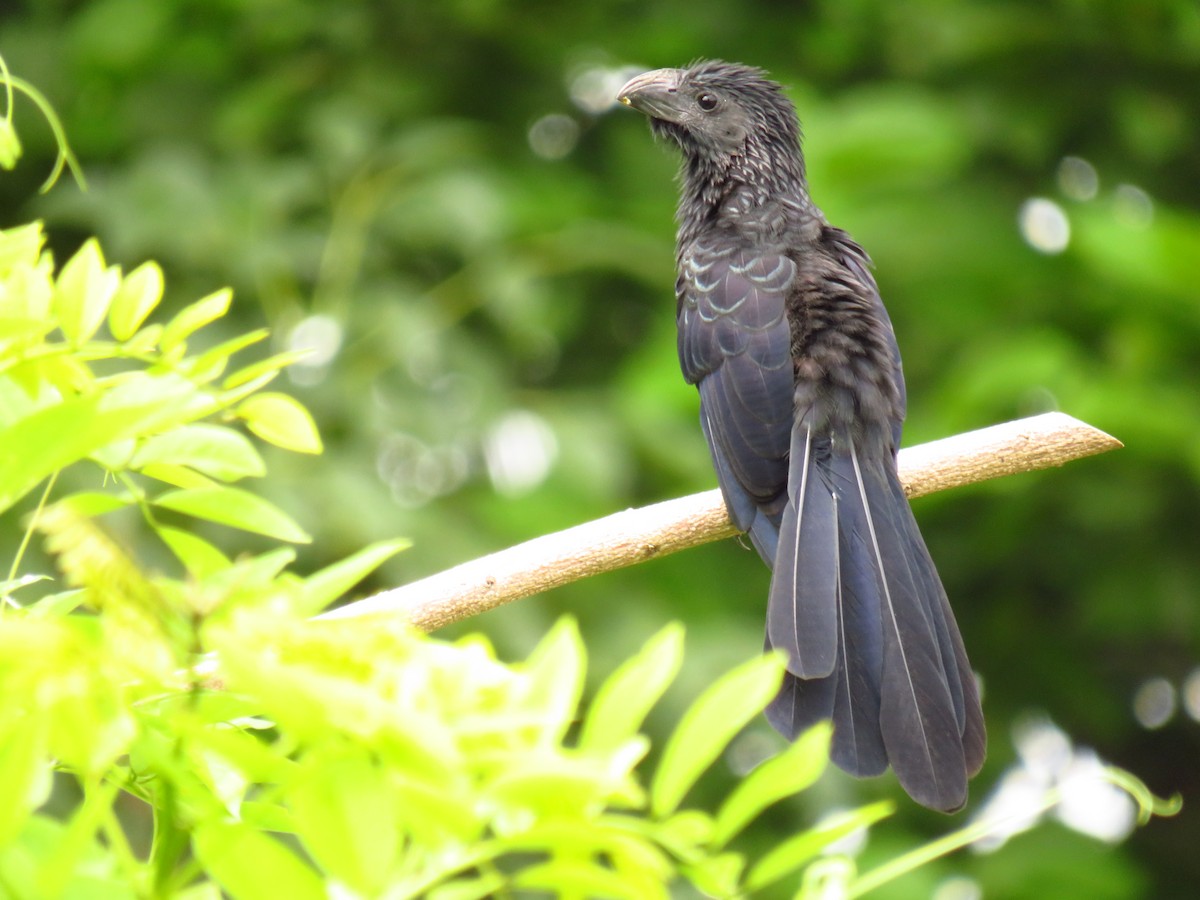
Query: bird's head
[{"x": 718, "y": 112}]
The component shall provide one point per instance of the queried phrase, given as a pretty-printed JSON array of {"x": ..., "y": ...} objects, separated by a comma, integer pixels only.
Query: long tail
[{"x": 872, "y": 644}]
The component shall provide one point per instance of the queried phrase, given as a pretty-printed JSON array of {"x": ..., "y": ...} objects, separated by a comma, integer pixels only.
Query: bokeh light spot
[
  {"x": 1044, "y": 225},
  {"x": 320, "y": 336},
  {"x": 553, "y": 136},
  {"x": 1191, "y": 694},
  {"x": 1154, "y": 703},
  {"x": 519, "y": 450},
  {"x": 958, "y": 888},
  {"x": 1077, "y": 178},
  {"x": 1133, "y": 206}
]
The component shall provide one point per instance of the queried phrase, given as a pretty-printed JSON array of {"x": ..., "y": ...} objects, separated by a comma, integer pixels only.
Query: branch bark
[{"x": 637, "y": 535}]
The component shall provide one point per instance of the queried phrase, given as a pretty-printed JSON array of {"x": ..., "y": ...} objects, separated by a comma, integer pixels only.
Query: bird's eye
[{"x": 707, "y": 102}]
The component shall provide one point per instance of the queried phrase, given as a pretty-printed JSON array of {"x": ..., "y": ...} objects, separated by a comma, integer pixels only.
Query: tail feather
[
  {"x": 853, "y": 567},
  {"x": 802, "y": 607}
]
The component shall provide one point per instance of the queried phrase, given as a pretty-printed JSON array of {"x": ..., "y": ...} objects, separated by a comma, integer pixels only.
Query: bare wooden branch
[{"x": 637, "y": 535}]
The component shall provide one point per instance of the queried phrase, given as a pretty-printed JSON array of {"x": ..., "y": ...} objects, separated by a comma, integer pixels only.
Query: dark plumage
[{"x": 802, "y": 401}]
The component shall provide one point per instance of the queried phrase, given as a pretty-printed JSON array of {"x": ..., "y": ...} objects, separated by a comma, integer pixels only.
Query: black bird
[{"x": 802, "y": 400}]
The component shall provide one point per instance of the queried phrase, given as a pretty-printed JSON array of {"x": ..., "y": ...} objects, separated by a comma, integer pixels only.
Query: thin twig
[{"x": 637, "y": 535}]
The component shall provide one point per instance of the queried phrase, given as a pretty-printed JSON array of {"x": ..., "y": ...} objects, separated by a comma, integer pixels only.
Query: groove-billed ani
[{"x": 802, "y": 399}]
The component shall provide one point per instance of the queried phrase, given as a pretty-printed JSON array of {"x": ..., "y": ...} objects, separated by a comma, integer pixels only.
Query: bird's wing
[{"x": 735, "y": 345}]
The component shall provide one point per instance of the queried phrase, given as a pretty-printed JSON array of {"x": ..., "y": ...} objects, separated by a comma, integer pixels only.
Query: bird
[{"x": 802, "y": 401}]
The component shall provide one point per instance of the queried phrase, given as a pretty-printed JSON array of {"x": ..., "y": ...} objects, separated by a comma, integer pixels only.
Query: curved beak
[{"x": 654, "y": 93}]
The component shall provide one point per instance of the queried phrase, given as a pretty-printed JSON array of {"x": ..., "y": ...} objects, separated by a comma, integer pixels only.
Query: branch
[{"x": 637, "y": 535}]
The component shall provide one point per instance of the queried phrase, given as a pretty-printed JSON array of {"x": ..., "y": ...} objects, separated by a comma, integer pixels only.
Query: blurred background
[{"x": 443, "y": 202}]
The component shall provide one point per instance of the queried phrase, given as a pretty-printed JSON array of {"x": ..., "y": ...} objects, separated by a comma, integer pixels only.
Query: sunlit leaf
[
  {"x": 236, "y": 508},
  {"x": 717, "y": 876},
  {"x": 556, "y": 669},
  {"x": 708, "y": 726},
  {"x": 577, "y": 878},
  {"x": 198, "y": 556},
  {"x": 281, "y": 420},
  {"x": 264, "y": 371},
  {"x": 323, "y": 587},
  {"x": 215, "y": 450},
  {"x": 25, "y": 774},
  {"x": 796, "y": 851},
  {"x": 194, "y": 317},
  {"x": 83, "y": 292},
  {"x": 480, "y": 888},
  {"x": 345, "y": 816},
  {"x": 19, "y": 245},
  {"x": 790, "y": 772},
  {"x": 140, "y": 292},
  {"x": 56, "y": 436},
  {"x": 210, "y": 364},
  {"x": 628, "y": 694},
  {"x": 176, "y": 476},
  {"x": 251, "y": 865}
]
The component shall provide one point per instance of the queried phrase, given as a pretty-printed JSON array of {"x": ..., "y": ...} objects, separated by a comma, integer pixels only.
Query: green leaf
[
  {"x": 793, "y": 770},
  {"x": 215, "y": 450},
  {"x": 198, "y": 556},
  {"x": 263, "y": 371},
  {"x": 95, "y": 503},
  {"x": 717, "y": 876},
  {"x": 25, "y": 774},
  {"x": 212, "y": 362},
  {"x": 686, "y": 833},
  {"x": 551, "y": 785},
  {"x": 177, "y": 476},
  {"x": 323, "y": 587},
  {"x": 237, "y": 509},
  {"x": 709, "y": 725},
  {"x": 469, "y": 888},
  {"x": 10, "y": 145},
  {"x": 194, "y": 317},
  {"x": 577, "y": 878},
  {"x": 140, "y": 292},
  {"x": 556, "y": 669},
  {"x": 627, "y": 695},
  {"x": 21, "y": 245},
  {"x": 345, "y": 816},
  {"x": 9, "y": 585},
  {"x": 249, "y": 865},
  {"x": 433, "y": 816},
  {"x": 56, "y": 436},
  {"x": 281, "y": 420},
  {"x": 54, "y": 605},
  {"x": 83, "y": 292},
  {"x": 799, "y": 850}
]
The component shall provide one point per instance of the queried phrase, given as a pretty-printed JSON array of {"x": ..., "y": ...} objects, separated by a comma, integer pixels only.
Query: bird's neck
[{"x": 762, "y": 199}]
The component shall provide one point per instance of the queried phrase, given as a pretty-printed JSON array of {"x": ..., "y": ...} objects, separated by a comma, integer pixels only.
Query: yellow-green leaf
[
  {"x": 215, "y": 450},
  {"x": 627, "y": 695},
  {"x": 139, "y": 293},
  {"x": 709, "y": 725},
  {"x": 194, "y": 317},
  {"x": 797, "y": 851},
  {"x": 84, "y": 290},
  {"x": 198, "y": 556},
  {"x": 790, "y": 772},
  {"x": 236, "y": 508},
  {"x": 281, "y": 420},
  {"x": 323, "y": 587},
  {"x": 10, "y": 145},
  {"x": 249, "y": 864}
]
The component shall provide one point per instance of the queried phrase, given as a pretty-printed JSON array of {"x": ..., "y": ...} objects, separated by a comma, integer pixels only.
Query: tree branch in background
[{"x": 637, "y": 535}]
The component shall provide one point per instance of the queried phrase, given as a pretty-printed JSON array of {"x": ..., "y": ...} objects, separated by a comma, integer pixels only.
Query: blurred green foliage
[{"x": 432, "y": 196}]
